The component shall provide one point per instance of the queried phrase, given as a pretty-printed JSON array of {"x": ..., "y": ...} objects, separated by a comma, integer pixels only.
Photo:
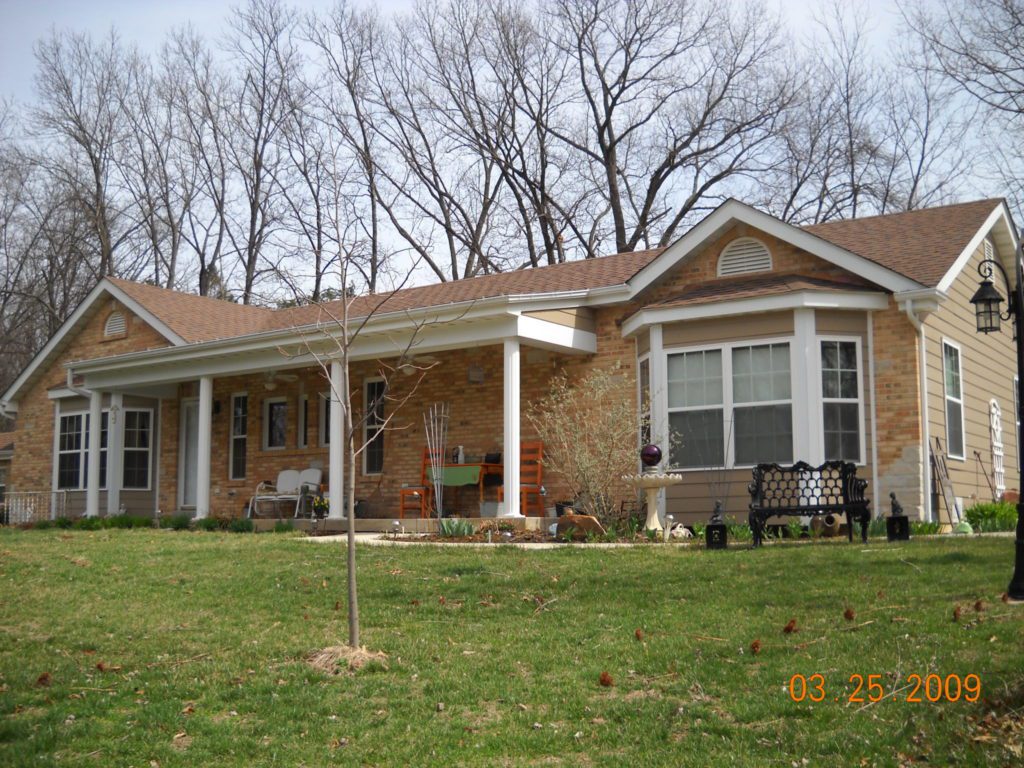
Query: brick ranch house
[{"x": 748, "y": 338}]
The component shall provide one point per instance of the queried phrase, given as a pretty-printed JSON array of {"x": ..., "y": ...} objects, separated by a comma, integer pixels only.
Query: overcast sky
[{"x": 146, "y": 22}]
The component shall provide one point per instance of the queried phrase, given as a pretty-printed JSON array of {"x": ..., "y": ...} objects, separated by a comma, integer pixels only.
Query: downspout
[
  {"x": 926, "y": 464},
  {"x": 874, "y": 412}
]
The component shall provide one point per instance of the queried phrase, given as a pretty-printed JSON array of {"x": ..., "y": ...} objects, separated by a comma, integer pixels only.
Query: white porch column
[
  {"x": 659, "y": 406},
  {"x": 92, "y": 480},
  {"x": 510, "y": 449},
  {"x": 336, "y": 458},
  {"x": 115, "y": 453},
  {"x": 203, "y": 446},
  {"x": 805, "y": 364}
]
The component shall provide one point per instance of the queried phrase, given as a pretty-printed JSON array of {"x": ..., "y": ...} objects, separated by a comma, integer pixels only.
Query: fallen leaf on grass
[
  {"x": 755, "y": 647},
  {"x": 956, "y": 613},
  {"x": 979, "y": 606},
  {"x": 790, "y": 627},
  {"x": 339, "y": 743},
  {"x": 104, "y": 667},
  {"x": 639, "y": 634},
  {"x": 1006, "y": 597},
  {"x": 189, "y": 709},
  {"x": 849, "y": 615},
  {"x": 337, "y": 605},
  {"x": 44, "y": 680},
  {"x": 606, "y": 680}
]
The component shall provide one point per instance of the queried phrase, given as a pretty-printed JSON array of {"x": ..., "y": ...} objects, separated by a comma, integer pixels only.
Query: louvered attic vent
[
  {"x": 744, "y": 255},
  {"x": 116, "y": 325}
]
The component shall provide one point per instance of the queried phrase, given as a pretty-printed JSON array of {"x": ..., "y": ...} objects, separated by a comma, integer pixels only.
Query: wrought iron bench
[{"x": 802, "y": 490}]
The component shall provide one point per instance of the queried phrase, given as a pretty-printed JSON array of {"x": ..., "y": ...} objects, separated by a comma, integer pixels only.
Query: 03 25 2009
[{"x": 860, "y": 689}]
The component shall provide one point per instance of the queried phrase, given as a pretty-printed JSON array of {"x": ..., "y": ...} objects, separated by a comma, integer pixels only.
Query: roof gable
[{"x": 924, "y": 245}]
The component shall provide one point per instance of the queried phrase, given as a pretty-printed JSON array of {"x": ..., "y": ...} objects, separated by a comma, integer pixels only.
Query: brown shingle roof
[
  {"x": 197, "y": 318},
  {"x": 569, "y": 276},
  {"x": 752, "y": 286},
  {"x": 921, "y": 245}
]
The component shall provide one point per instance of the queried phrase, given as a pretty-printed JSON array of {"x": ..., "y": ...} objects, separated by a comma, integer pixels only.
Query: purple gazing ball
[{"x": 650, "y": 455}]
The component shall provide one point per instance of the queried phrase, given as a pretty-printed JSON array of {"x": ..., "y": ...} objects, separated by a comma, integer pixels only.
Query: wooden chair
[
  {"x": 418, "y": 498},
  {"x": 531, "y": 476}
]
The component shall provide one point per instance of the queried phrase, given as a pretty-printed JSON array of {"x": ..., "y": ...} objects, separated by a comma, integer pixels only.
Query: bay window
[
  {"x": 741, "y": 391},
  {"x": 73, "y": 451}
]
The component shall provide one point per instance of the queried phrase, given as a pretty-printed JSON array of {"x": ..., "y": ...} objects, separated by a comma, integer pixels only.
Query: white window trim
[
  {"x": 267, "y": 401},
  {"x": 83, "y": 480},
  {"x": 148, "y": 451},
  {"x": 367, "y": 425},
  {"x": 946, "y": 396},
  {"x": 232, "y": 437},
  {"x": 860, "y": 395},
  {"x": 323, "y": 427},
  {"x": 727, "y": 405},
  {"x": 301, "y": 419},
  {"x": 644, "y": 358}
]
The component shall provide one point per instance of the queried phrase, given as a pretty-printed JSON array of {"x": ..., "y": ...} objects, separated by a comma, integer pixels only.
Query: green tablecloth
[{"x": 468, "y": 474}]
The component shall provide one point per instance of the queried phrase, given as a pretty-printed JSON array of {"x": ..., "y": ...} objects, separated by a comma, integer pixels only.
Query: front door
[{"x": 188, "y": 453}]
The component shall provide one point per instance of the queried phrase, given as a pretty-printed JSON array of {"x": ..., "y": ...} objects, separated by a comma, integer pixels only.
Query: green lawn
[{"x": 202, "y": 639}]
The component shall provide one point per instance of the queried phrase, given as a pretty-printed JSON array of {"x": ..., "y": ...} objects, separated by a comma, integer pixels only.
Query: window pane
[
  {"x": 764, "y": 433},
  {"x": 761, "y": 373},
  {"x": 375, "y": 453},
  {"x": 277, "y": 417},
  {"x": 325, "y": 404},
  {"x": 67, "y": 470},
  {"x": 136, "y": 429},
  {"x": 848, "y": 384},
  {"x": 240, "y": 416},
  {"x": 697, "y": 438},
  {"x": 695, "y": 379},
  {"x": 136, "y": 469},
  {"x": 954, "y": 428},
  {"x": 951, "y": 360},
  {"x": 842, "y": 432}
]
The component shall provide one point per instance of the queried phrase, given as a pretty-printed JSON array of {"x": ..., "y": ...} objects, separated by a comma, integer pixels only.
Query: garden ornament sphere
[{"x": 650, "y": 455}]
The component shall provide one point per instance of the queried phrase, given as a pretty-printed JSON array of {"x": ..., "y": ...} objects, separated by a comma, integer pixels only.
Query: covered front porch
[{"x": 230, "y": 415}]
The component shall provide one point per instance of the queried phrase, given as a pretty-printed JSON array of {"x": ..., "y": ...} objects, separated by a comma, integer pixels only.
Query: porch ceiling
[{"x": 303, "y": 349}]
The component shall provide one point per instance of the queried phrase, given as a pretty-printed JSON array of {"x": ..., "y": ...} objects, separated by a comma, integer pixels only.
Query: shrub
[
  {"x": 241, "y": 525},
  {"x": 998, "y": 516},
  {"x": 924, "y": 529},
  {"x": 63, "y": 523},
  {"x": 454, "y": 526},
  {"x": 176, "y": 522},
  {"x": 877, "y": 528},
  {"x": 589, "y": 428},
  {"x": 208, "y": 524},
  {"x": 42, "y": 525},
  {"x": 88, "y": 524},
  {"x": 282, "y": 526}
]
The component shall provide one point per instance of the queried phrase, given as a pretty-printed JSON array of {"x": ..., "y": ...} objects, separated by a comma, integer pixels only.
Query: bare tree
[{"x": 81, "y": 87}]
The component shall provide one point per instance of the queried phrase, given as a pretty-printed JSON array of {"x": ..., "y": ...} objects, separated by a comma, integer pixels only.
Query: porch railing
[{"x": 20, "y": 507}]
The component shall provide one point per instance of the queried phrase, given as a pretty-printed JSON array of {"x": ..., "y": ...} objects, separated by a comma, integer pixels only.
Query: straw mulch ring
[{"x": 344, "y": 658}]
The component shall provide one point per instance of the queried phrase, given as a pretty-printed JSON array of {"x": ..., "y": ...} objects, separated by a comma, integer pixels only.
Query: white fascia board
[
  {"x": 733, "y": 211},
  {"x": 999, "y": 214},
  {"x": 104, "y": 286},
  {"x": 560, "y": 338},
  {"x": 63, "y": 393},
  {"x": 855, "y": 300},
  {"x": 925, "y": 301}
]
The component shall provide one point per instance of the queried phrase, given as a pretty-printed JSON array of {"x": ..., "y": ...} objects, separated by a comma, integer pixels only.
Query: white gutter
[{"x": 926, "y": 463}]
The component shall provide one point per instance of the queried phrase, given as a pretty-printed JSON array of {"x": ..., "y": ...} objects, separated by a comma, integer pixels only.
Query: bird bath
[{"x": 652, "y": 482}]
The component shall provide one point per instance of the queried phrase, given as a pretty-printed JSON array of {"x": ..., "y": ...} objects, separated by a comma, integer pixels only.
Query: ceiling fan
[{"x": 272, "y": 377}]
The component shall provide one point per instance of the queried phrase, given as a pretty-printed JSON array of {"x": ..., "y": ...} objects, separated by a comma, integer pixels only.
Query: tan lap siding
[{"x": 988, "y": 367}]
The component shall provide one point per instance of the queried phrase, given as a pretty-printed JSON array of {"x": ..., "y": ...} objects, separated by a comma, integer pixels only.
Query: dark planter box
[
  {"x": 897, "y": 528},
  {"x": 563, "y": 507},
  {"x": 717, "y": 536}
]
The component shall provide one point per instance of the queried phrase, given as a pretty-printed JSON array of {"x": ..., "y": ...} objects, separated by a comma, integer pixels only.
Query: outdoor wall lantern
[{"x": 986, "y": 301}]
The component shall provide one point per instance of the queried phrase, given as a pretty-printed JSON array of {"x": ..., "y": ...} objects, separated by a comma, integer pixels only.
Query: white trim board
[
  {"x": 805, "y": 299},
  {"x": 999, "y": 214}
]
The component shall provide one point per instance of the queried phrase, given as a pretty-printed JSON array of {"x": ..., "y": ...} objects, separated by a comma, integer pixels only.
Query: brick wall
[{"x": 32, "y": 465}]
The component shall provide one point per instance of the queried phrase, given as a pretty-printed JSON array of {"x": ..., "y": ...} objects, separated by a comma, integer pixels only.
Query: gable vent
[
  {"x": 744, "y": 255},
  {"x": 116, "y": 324},
  {"x": 989, "y": 250}
]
